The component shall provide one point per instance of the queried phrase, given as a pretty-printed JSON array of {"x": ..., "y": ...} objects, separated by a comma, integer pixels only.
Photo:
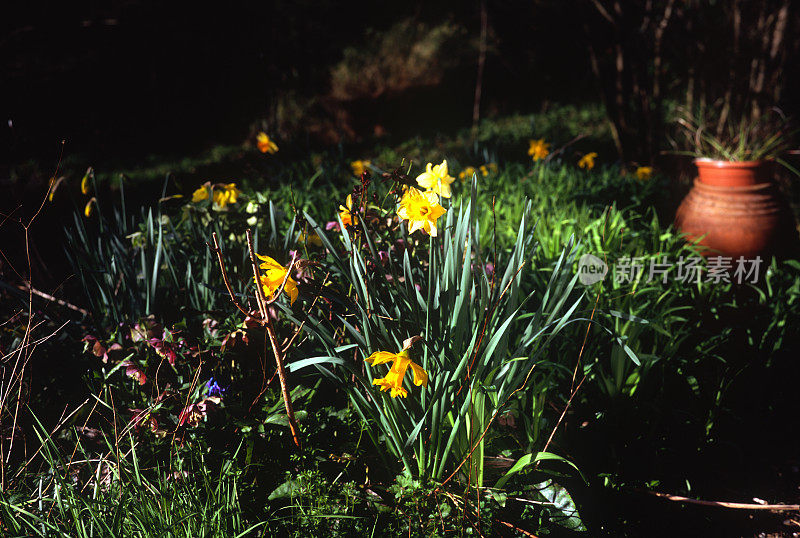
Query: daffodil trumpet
[{"x": 421, "y": 210}]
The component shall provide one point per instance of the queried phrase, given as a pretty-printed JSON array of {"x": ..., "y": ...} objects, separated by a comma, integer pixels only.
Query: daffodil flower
[
  {"x": 393, "y": 381},
  {"x": 265, "y": 145},
  {"x": 359, "y": 167},
  {"x": 436, "y": 179},
  {"x": 201, "y": 193},
  {"x": 467, "y": 173},
  {"x": 644, "y": 172},
  {"x": 421, "y": 210},
  {"x": 272, "y": 280},
  {"x": 87, "y": 211},
  {"x": 85, "y": 183},
  {"x": 228, "y": 194},
  {"x": 587, "y": 161},
  {"x": 54, "y": 183},
  {"x": 538, "y": 149},
  {"x": 346, "y": 212}
]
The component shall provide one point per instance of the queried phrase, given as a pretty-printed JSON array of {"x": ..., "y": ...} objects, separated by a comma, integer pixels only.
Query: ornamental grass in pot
[{"x": 735, "y": 208}]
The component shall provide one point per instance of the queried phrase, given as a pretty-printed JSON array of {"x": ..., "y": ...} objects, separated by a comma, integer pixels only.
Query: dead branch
[
  {"x": 273, "y": 340},
  {"x": 725, "y": 504},
  {"x": 56, "y": 300}
]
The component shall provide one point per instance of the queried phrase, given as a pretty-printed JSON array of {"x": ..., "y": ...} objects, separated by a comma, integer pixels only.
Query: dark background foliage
[{"x": 122, "y": 78}]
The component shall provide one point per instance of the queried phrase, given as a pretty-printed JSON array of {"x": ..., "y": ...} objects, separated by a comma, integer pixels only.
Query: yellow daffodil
[
  {"x": 587, "y": 161},
  {"x": 309, "y": 239},
  {"x": 538, "y": 149},
  {"x": 644, "y": 172},
  {"x": 225, "y": 195},
  {"x": 484, "y": 170},
  {"x": 359, "y": 167},
  {"x": 89, "y": 207},
  {"x": 436, "y": 179},
  {"x": 421, "y": 210},
  {"x": 201, "y": 193},
  {"x": 346, "y": 212},
  {"x": 492, "y": 167},
  {"x": 54, "y": 183},
  {"x": 265, "y": 145},
  {"x": 467, "y": 173},
  {"x": 85, "y": 184},
  {"x": 273, "y": 278},
  {"x": 394, "y": 378}
]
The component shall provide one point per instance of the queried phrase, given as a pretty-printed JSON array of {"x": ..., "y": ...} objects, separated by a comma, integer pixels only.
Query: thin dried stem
[
  {"x": 273, "y": 340},
  {"x": 225, "y": 279},
  {"x": 725, "y": 504}
]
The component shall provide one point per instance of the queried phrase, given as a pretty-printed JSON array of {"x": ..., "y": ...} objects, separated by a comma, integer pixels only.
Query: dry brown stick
[
  {"x": 523, "y": 531},
  {"x": 261, "y": 300},
  {"x": 56, "y": 300},
  {"x": 231, "y": 293},
  {"x": 273, "y": 340},
  {"x": 725, "y": 504}
]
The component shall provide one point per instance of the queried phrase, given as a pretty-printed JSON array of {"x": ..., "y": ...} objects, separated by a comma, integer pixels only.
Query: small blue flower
[{"x": 213, "y": 388}]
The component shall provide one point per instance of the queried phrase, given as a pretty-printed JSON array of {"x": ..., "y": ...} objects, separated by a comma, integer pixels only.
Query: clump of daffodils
[
  {"x": 422, "y": 209},
  {"x": 221, "y": 194},
  {"x": 484, "y": 170}
]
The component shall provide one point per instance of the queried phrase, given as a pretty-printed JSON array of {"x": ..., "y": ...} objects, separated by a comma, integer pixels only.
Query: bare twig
[
  {"x": 56, "y": 300},
  {"x": 273, "y": 340},
  {"x": 523, "y": 531},
  {"x": 225, "y": 279},
  {"x": 725, "y": 504},
  {"x": 264, "y": 321}
]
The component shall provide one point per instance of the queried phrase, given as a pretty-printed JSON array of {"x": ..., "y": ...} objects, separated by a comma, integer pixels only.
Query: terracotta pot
[
  {"x": 734, "y": 174},
  {"x": 737, "y": 207}
]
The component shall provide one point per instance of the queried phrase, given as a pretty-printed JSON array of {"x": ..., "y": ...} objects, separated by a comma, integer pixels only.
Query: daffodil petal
[
  {"x": 420, "y": 375},
  {"x": 426, "y": 180},
  {"x": 291, "y": 289},
  {"x": 381, "y": 357}
]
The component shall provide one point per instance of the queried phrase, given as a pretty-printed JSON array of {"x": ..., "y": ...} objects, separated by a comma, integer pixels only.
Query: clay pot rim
[
  {"x": 735, "y": 189},
  {"x": 705, "y": 162}
]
